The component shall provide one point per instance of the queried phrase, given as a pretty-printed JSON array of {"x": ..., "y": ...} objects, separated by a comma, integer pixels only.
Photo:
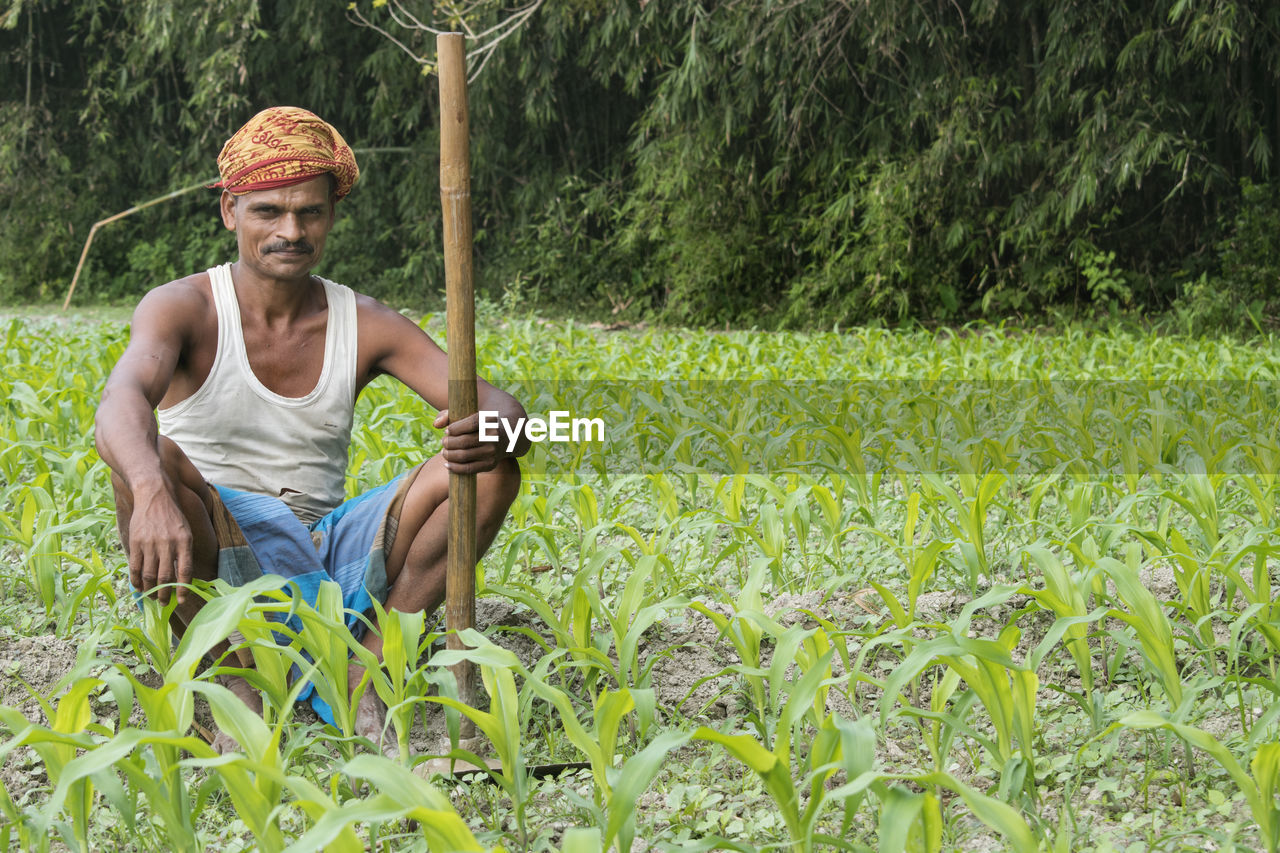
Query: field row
[{"x": 991, "y": 605}]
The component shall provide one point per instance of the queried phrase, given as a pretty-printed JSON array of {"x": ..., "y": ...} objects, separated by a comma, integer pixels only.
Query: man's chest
[{"x": 287, "y": 361}]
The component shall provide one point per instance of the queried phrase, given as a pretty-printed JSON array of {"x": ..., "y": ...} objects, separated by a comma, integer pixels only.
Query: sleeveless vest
[{"x": 242, "y": 435}]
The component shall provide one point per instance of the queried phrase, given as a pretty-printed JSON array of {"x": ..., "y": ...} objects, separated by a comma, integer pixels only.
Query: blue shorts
[{"x": 259, "y": 535}]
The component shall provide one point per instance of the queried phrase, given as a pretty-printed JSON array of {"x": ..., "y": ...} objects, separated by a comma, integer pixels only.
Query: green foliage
[
  {"x": 108, "y": 104},
  {"x": 1243, "y": 294},
  {"x": 761, "y": 164},
  {"x": 988, "y": 606}
]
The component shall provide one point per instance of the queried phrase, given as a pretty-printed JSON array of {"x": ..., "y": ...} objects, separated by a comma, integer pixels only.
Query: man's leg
[
  {"x": 416, "y": 564},
  {"x": 193, "y": 500}
]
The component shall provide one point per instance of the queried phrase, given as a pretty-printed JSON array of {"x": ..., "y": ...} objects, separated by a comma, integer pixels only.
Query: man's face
[{"x": 281, "y": 232}]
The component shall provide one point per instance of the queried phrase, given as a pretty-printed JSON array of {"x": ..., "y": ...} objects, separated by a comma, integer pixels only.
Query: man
[{"x": 252, "y": 370}]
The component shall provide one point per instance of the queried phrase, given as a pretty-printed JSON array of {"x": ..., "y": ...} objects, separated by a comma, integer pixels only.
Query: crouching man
[{"x": 227, "y": 420}]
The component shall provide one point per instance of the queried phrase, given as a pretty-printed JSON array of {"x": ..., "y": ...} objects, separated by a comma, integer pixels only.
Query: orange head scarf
[{"x": 282, "y": 146}]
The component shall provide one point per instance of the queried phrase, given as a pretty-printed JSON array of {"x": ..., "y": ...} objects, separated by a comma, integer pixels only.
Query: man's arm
[
  {"x": 410, "y": 355},
  {"x": 159, "y": 538}
]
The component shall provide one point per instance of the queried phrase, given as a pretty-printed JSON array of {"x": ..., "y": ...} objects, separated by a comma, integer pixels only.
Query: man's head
[
  {"x": 282, "y": 173},
  {"x": 281, "y": 146}
]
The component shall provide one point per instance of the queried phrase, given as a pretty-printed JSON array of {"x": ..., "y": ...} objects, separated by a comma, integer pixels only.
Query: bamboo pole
[
  {"x": 455, "y": 199},
  {"x": 84, "y": 253}
]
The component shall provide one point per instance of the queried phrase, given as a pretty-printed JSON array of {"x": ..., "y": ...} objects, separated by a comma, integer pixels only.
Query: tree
[{"x": 485, "y": 23}]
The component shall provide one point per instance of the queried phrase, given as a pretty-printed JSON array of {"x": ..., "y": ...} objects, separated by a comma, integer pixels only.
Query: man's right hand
[{"x": 160, "y": 544}]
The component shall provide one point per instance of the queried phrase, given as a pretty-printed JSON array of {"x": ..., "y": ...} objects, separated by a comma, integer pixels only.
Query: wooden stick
[
  {"x": 455, "y": 199},
  {"x": 84, "y": 253}
]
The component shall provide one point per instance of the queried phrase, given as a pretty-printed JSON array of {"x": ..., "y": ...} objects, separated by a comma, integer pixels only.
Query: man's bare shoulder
[
  {"x": 392, "y": 343},
  {"x": 169, "y": 324},
  {"x": 367, "y": 306},
  {"x": 391, "y": 327},
  {"x": 180, "y": 306}
]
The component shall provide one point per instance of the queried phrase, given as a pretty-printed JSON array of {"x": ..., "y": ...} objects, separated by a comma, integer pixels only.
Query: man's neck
[{"x": 274, "y": 300}]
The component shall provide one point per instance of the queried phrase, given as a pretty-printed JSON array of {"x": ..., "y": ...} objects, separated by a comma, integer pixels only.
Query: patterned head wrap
[{"x": 282, "y": 146}]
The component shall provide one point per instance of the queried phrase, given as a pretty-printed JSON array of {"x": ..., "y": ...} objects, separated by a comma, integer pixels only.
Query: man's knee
[
  {"x": 172, "y": 459},
  {"x": 119, "y": 486},
  {"x": 176, "y": 466},
  {"x": 503, "y": 483},
  {"x": 180, "y": 469}
]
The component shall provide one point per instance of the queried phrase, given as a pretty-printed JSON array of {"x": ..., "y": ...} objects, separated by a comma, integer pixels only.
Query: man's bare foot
[
  {"x": 224, "y": 743},
  {"x": 371, "y": 714},
  {"x": 244, "y": 691}
]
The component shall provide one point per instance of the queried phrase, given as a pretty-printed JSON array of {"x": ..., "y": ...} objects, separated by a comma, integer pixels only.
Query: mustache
[{"x": 299, "y": 246}]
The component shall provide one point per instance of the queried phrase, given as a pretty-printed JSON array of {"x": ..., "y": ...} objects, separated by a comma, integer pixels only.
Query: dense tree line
[{"x": 755, "y": 162}]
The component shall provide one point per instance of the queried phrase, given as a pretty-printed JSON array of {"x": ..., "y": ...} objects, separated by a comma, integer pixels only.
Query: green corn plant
[
  {"x": 332, "y": 827},
  {"x": 770, "y": 686},
  {"x": 775, "y": 773},
  {"x": 946, "y": 718},
  {"x": 629, "y": 781},
  {"x": 1157, "y": 447},
  {"x": 151, "y": 641},
  {"x": 658, "y": 544},
  {"x": 149, "y": 758},
  {"x": 69, "y": 730},
  {"x": 832, "y": 521},
  {"x": 1260, "y": 481},
  {"x": 915, "y": 815},
  {"x": 1147, "y": 619},
  {"x": 921, "y": 562},
  {"x": 864, "y": 479},
  {"x": 138, "y": 755},
  {"x": 664, "y": 498},
  {"x": 634, "y": 612},
  {"x": 1197, "y": 494},
  {"x": 15, "y": 826},
  {"x": 328, "y": 646},
  {"x": 1193, "y": 576},
  {"x": 771, "y": 540},
  {"x": 573, "y": 627},
  {"x": 39, "y": 534},
  {"x": 271, "y": 661},
  {"x": 744, "y": 631},
  {"x": 730, "y": 492},
  {"x": 727, "y": 448},
  {"x": 971, "y": 507},
  {"x": 616, "y": 789},
  {"x": 1256, "y": 591},
  {"x": 1155, "y": 635},
  {"x": 811, "y": 651},
  {"x": 401, "y": 795},
  {"x": 1006, "y": 689},
  {"x": 252, "y": 775},
  {"x": 501, "y": 725},
  {"x": 399, "y": 680},
  {"x": 774, "y": 766},
  {"x": 1260, "y": 785},
  {"x": 1066, "y": 596},
  {"x": 95, "y": 580}
]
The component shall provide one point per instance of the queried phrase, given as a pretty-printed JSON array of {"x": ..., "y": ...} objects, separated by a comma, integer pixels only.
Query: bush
[{"x": 1242, "y": 295}]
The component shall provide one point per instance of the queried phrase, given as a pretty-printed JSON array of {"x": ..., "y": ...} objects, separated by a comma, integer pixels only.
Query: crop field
[{"x": 865, "y": 590}]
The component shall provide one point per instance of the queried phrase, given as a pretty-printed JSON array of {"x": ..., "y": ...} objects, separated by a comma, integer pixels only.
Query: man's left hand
[{"x": 464, "y": 452}]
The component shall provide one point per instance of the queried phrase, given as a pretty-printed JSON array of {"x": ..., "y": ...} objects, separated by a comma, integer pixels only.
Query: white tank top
[{"x": 243, "y": 435}]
